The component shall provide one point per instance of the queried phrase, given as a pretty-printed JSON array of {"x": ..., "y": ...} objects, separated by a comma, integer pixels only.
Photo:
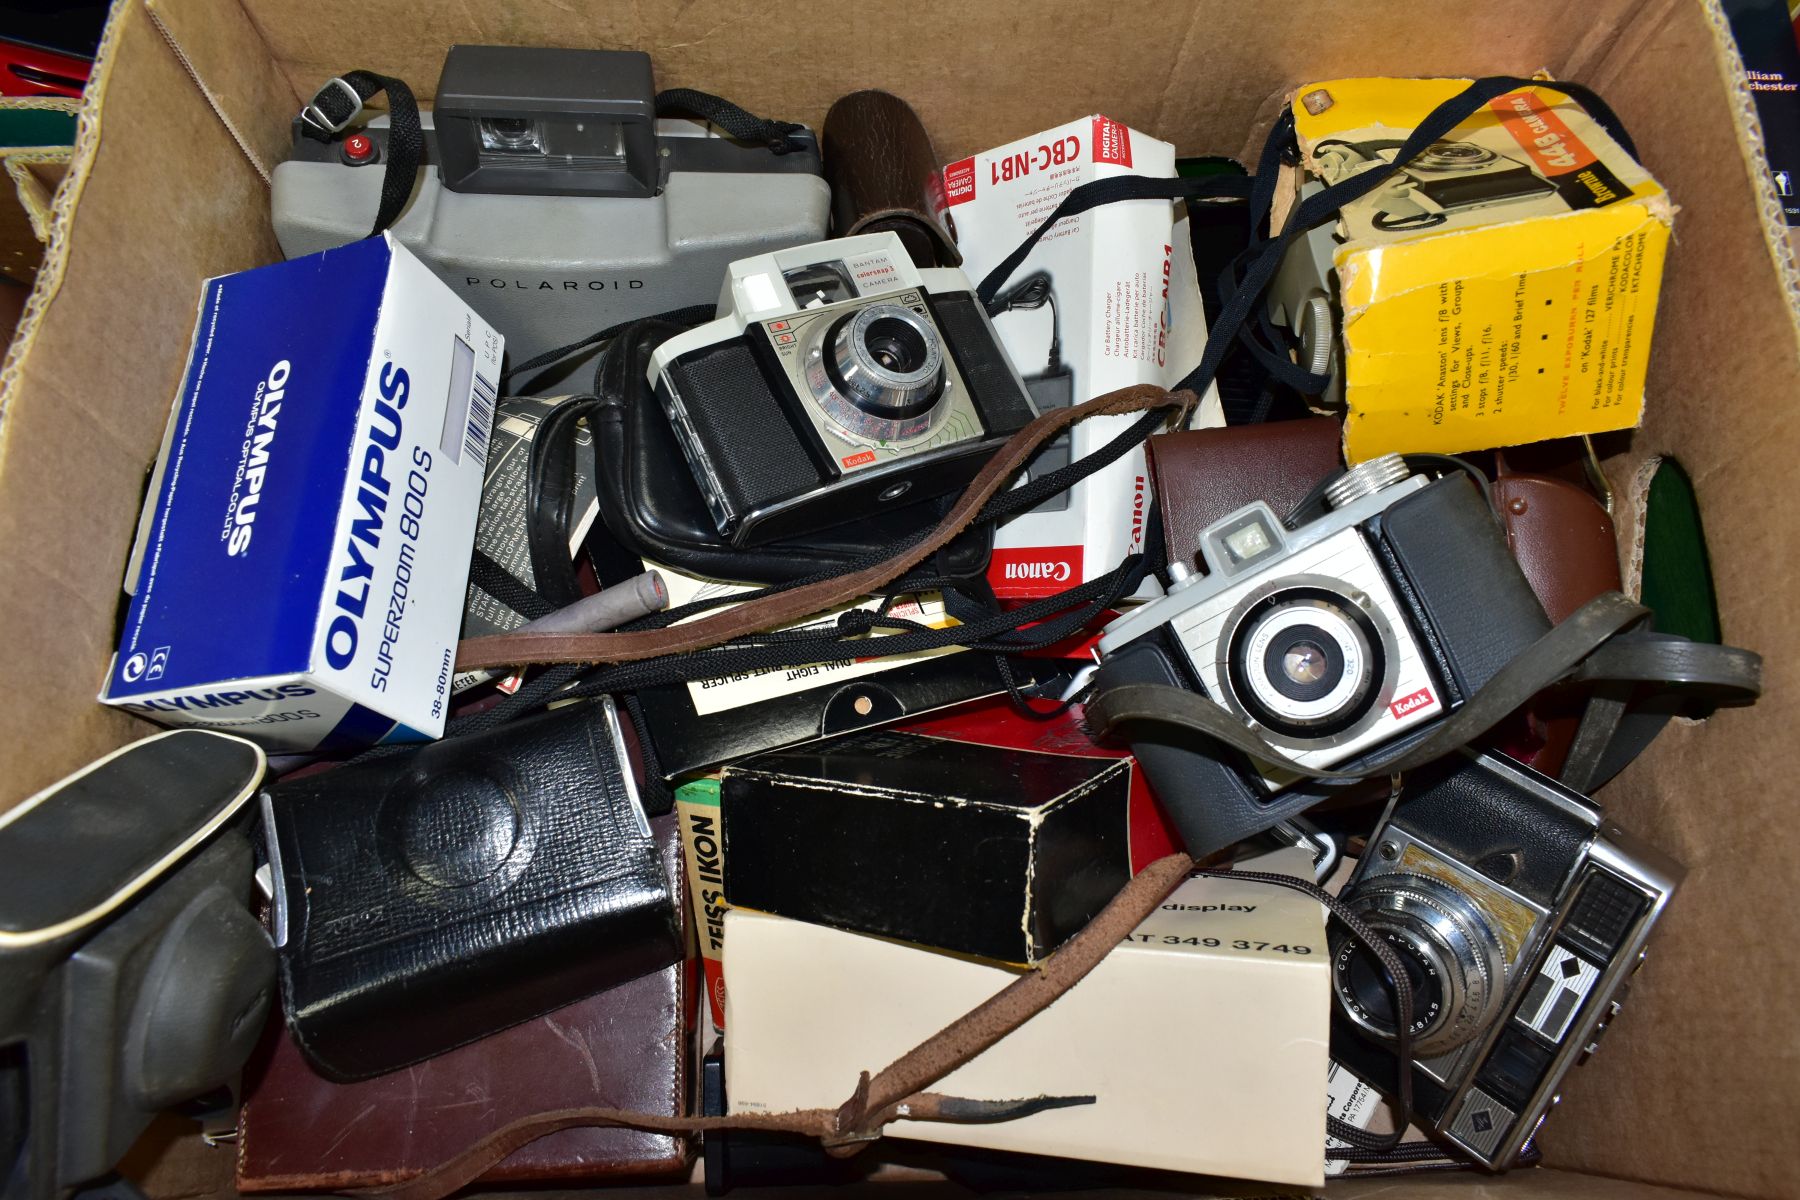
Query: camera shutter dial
[{"x": 1453, "y": 959}]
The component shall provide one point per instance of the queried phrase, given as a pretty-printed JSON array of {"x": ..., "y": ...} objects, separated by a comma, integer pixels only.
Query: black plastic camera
[
  {"x": 1519, "y": 913},
  {"x": 839, "y": 380},
  {"x": 1345, "y": 636},
  {"x": 133, "y": 975}
]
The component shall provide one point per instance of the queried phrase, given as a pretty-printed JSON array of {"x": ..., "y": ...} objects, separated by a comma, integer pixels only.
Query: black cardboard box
[{"x": 981, "y": 850}]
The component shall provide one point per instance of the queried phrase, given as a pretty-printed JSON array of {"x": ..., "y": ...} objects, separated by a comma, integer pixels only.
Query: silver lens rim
[
  {"x": 1446, "y": 928},
  {"x": 879, "y": 389},
  {"x": 1353, "y": 685},
  {"x": 1455, "y": 156}
]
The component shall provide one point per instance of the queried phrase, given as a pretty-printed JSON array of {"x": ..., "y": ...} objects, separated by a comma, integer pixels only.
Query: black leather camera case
[
  {"x": 439, "y": 896},
  {"x": 1465, "y": 599}
]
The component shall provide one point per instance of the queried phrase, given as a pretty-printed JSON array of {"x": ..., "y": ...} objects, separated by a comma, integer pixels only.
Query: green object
[
  {"x": 36, "y": 127},
  {"x": 1678, "y": 584},
  {"x": 1204, "y": 167},
  {"x": 699, "y": 791}
]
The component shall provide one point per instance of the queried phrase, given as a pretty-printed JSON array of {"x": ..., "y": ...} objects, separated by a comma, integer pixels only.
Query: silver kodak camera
[
  {"x": 1313, "y": 638},
  {"x": 552, "y": 198},
  {"x": 1519, "y": 913},
  {"x": 838, "y": 379}
]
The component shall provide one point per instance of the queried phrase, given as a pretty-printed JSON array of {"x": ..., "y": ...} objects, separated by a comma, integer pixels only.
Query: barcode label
[
  {"x": 468, "y": 407},
  {"x": 481, "y": 417}
]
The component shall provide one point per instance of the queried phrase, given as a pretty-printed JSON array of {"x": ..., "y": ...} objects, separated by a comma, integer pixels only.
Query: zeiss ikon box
[{"x": 299, "y": 570}]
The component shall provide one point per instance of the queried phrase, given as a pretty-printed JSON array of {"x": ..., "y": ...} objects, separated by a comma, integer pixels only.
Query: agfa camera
[
  {"x": 1519, "y": 913},
  {"x": 1346, "y": 635},
  {"x": 839, "y": 379},
  {"x": 552, "y": 198}
]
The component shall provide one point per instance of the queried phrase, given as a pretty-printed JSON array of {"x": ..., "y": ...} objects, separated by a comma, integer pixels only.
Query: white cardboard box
[
  {"x": 1123, "y": 309},
  {"x": 1203, "y": 1037},
  {"x": 299, "y": 571}
]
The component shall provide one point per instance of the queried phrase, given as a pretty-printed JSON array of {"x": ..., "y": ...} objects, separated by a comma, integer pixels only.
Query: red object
[
  {"x": 1033, "y": 572},
  {"x": 994, "y": 723},
  {"x": 959, "y": 182},
  {"x": 1112, "y": 142},
  {"x": 32, "y": 71},
  {"x": 359, "y": 147}
]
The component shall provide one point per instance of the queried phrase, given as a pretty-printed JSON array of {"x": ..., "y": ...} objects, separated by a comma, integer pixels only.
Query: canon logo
[
  {"x": 1056, "y": 572},
  {"x": 1137, "y": 515},
  {"x": 1417, "y": 700}
]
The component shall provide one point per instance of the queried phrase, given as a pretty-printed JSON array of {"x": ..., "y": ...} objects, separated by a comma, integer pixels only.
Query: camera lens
[
  {"x": 1306, "y": 662},
  {"x": 1455, "y": 156},
  {"x": 886, "y": 360},
  {"x": 1367, "y": 981},
  {"x": 1451, "y": 953},
  {"x": 898, "y": 346},
  {"x": 511, "y": 135}
]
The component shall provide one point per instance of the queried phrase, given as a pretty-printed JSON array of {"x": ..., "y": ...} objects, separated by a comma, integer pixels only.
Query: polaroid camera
[
  {"x": 550, "y": 196},
  {"x": 839, "y": 380}
]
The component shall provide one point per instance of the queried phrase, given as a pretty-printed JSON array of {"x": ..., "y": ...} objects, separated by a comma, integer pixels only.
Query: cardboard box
[
  {"x": 982, "y": 850},
  {"x": 1502, "y": 287},
  {"x": 1694, "y": 1092},
  {"x": 299, "y": 571},
  {"x": 703, "y": 848},
  {"x": 997, "y": 723},
  {"x": 1232, "y": 1085},
  {"x": 1102, "y": 302}
]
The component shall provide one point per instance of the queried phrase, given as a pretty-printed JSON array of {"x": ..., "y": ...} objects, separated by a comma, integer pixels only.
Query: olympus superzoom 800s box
[
  {"x": 299, "y": 570},
  {"x": 1105, "y": 300}
]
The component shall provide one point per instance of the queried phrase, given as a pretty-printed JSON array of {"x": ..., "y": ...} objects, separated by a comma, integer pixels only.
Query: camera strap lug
[{"x": 333, "y": 107}]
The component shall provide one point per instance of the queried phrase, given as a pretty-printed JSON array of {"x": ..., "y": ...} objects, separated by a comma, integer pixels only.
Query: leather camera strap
[
  {"x": 1721, "y": 674},
  {"x": 897, "y": 1092},
  {"x": 782, "y": 608}
]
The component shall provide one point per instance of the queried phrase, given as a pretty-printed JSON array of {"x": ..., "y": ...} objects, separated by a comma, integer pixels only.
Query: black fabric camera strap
[
  {"x": 341, "y": 101},
  {"x": 743, "y": 126}
]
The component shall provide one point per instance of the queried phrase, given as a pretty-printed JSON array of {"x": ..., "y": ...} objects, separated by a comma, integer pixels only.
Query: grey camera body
[
  {"x": 133, "y": 975},
  {"x": 552, "y": 247},
  {"x": 1520, "y": 913}
]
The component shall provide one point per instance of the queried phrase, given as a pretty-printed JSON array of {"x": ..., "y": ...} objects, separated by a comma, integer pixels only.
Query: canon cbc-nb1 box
[
  {"x": 299, "y": 571},
  {"x": 1201, "y": 1038}
]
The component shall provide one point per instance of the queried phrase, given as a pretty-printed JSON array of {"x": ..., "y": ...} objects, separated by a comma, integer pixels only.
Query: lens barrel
[
  {"x": 1452, "y": 955},
  {"x": 887, "y": 361}
]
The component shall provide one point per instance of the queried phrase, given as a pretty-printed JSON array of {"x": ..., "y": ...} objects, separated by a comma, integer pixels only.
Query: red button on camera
[{"x": 359, "y": 147}]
